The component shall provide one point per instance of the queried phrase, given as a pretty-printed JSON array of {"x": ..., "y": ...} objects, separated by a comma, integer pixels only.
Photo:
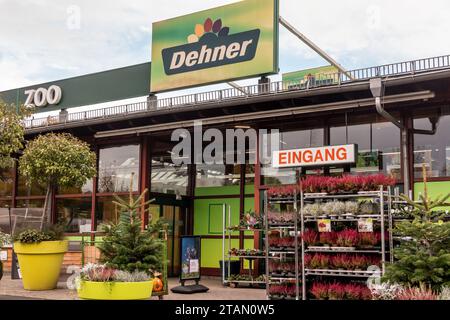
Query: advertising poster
[
  {"x": 190, "y": 258},
  {"x": 318, "y": 76},
  {"x": 226, "y": 43}
]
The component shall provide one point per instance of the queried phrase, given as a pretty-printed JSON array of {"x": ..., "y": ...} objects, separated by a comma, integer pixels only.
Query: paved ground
[{"x": 12, "y": 289}]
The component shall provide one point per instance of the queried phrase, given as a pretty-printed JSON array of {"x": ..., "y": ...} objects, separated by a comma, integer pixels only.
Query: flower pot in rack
[
  {"x": 90, "y": 290},
  {"x": 40, "y": 263}
]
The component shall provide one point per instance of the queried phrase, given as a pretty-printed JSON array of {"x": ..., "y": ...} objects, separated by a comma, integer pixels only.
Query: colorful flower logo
[{"x": 208, "y": 29}]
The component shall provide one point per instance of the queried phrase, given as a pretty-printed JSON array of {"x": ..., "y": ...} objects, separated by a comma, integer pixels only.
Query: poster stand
[{"x": 190, "y": 266}]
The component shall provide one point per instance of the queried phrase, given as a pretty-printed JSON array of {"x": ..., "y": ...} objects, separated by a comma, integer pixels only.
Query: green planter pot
[
  {"x": 40, "y": 263},
  {"x": 115, "y": 290}
]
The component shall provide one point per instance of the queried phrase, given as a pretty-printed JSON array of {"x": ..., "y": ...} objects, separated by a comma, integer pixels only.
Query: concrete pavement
[{"x": 12, "y": 290}]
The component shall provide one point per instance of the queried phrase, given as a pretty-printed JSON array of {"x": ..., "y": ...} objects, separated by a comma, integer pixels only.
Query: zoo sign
[
  {"x": 42, "y": 97},
  {"x": 222, "y": 44}
]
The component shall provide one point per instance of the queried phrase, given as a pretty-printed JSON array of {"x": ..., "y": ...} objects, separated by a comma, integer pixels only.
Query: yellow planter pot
[
  {"x": 40, "y": 263},
  {"x": 115, "y": 290}
]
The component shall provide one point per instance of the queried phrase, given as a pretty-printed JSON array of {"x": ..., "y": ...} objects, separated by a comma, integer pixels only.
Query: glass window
[
  {"x": 432, "y": 150},
  {"x": 218, "y": 175},
  {"x": 6, "y": 182},
  {"x": 31, "y": 203},
  {"x": 117, "y": 166},
  {"x": 290, "y": 140},
  {"x": 25, "y": 190},
  {"x": 85, "y": 189},
  {"x": 378, "y": 146},
  {"x": 76, "y": 213},
  {"x": 5, "y": 203},
  {"x": 106, "y": 211},
  {"x": 168, "y": 178}
]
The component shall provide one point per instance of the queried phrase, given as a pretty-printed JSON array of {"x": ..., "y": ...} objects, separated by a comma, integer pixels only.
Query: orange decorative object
[{"x": 158, "y": 285}]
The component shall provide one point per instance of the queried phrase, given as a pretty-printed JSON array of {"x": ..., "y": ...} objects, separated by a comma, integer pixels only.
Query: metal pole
[
  {"x": 224, "y": 212},
  {"x": 383, "y": 240},
  {"x": 302, "y": 221},
  {"x": 313, "y": 46}
]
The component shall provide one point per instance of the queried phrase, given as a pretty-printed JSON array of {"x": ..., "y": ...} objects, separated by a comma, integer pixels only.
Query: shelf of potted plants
[
  {"x": 281, "y": 205},
  {"x": 339, "y": 237},
  {"x": 250, "y": 222}
]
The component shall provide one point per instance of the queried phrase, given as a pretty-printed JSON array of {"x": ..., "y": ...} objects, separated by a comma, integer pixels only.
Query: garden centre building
[{"x": 407, "y": 128}]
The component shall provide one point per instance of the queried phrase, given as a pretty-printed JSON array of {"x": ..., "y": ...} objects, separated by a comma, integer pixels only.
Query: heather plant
[
  {"x": 352, "y": 207},
  {"x": 368, "y": 208},
  {"x": 328, "y": 238},
  {"x": 334, "y": 208},
  {"x": 336, "y": 291},
  {"x": 386, "y": 291},
  {"x": 125, "y": 276},
  {"x": 445, "y": 293},
  {"x": 347, "y": 238},
  {"x": 314, "y": 209},
  {"x": 417, "y": 293},
  {"x": 310, "y": 237},
  {"x": 319, "y": 290},
  {"x": 319, "y": 261},
  {"x": 369, "y": 239}
]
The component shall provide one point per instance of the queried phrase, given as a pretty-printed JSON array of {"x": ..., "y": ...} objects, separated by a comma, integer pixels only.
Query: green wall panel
[
  {"x": 212, "y": 251},
  {"x": 217, "y": 191},
  {"x": 435, "y": 189}
]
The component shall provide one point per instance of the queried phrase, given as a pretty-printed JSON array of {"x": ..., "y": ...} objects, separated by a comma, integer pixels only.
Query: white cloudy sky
[{"x": 40, "y": 40}]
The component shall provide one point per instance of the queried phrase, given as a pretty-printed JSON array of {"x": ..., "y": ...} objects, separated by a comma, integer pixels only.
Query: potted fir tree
[{"x": 130, "y": 256}]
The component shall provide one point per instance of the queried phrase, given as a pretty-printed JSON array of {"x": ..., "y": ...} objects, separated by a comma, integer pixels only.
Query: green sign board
[
  {"x": 112, "y": 85},
  {"x": 321, "y": 75},
  {"x": 227, "y": 43}
]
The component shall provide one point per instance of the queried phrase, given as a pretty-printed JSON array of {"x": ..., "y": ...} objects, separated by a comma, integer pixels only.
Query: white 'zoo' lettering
[{"x": 42, "y": 97}]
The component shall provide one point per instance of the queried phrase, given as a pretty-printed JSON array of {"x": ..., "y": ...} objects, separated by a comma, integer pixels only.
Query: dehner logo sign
[{"x": 211, "y": 46}]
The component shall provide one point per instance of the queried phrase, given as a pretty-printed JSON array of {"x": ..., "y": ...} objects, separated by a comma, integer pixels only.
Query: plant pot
[
  {"x": 40, "y": 263},
  {"x": 89, "y": 290}
]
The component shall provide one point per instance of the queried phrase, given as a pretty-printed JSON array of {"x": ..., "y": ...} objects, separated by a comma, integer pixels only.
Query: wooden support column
[
  {"x": 15, "y": 185},
  {"x": 258, "y": 209},
  {"x": 94, "y": 194},
  {"x": 144, "y": 174}
]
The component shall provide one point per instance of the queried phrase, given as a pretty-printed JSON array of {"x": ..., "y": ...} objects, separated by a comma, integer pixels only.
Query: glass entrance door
[{"x": 175, "y": 216}]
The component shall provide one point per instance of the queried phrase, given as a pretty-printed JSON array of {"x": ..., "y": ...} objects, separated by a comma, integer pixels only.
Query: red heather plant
[
  {"x": 365, "y": 293},
  {"x": 319, "y": 291},
  {"x": 328, "y": 238},
  {"x": 282, "y": 191},
  {"x": 347, "y": 238},
  {"x": 336, "y": 291},
  {"x": 291, "y": 291},
  {"x": 352, "y": 291},
  {"x": 368, "y": 239},
  {"x": 319, "y": 261},
  {"x": 277, "y": 290},
  {"x": 274, "y": 242},
  {"x": 341, "y": 261},
  {"x": 310, "y": 237},
  {"x": 307, "y": 259},
  {"x": 359, "y": 262}
]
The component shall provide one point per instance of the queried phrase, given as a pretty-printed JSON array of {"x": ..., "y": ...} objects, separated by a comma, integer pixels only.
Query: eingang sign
[
  {"x": 314, "y": 157},
  {"x": 231, "y": 42}
]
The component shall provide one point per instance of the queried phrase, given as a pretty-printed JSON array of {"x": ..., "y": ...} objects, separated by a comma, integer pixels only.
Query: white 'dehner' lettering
[{"x": 207, "y": 55}]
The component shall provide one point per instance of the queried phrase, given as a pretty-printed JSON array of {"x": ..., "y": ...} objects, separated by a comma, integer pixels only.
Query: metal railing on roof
[{"x": 247, "y": 92}]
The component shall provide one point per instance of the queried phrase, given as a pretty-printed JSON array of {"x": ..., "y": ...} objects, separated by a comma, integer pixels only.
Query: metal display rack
[
  {"x": 285, "y": 254},
  {"x": 227, "y": 256},
  {"x": 383, "y": 218}
]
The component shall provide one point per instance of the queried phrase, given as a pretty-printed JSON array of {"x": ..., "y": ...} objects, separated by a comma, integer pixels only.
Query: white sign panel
[
  {"x": 313, "y": 157},
  {"x": 3, "y": 255},
  {"x": 193, "y": 266}
]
